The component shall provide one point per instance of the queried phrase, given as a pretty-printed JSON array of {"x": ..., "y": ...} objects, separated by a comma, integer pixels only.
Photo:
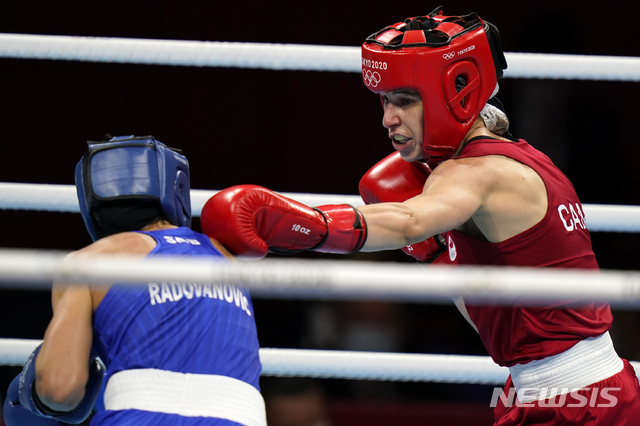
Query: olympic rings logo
[
  {"x": 449, "y": 55},
  {"x": 371, "y": 78}
]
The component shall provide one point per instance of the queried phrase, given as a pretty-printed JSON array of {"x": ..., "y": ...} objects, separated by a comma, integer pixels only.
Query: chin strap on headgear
[
  {"x": 126, "y": 181},
  {"x": 453, "y": 62}
]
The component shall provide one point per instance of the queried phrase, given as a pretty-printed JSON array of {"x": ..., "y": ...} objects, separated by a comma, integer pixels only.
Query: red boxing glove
[
  {"x": 251, "y": 221},
  {"x": 394, "y": 180}
]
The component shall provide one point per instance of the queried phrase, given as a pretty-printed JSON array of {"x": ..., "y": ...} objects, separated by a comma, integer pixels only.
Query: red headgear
[{"x": 454, "y": 62}]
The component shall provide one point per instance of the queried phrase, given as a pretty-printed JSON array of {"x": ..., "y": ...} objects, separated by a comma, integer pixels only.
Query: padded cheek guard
[
  {"x": 427, "y": 54},
  {"x": 129, "y": 168}
]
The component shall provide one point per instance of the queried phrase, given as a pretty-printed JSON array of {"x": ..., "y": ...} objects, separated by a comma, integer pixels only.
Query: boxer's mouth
[{"x": 400, "y": 139}]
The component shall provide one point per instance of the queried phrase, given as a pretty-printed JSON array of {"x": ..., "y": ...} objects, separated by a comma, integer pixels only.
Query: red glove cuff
[
  {"x": 347, "y": 229},
  {"x": 427, "y": 250}
]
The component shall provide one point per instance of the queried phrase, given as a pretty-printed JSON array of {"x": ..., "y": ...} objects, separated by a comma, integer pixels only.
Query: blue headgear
[{"x": 126, "y": 170}]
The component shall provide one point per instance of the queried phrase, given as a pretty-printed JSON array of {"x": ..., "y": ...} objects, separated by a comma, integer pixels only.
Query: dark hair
[{"x": 125, "y": 215}]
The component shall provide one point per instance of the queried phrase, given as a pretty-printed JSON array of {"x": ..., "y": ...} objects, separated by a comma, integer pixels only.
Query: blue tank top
[{"x": 189, "y": 328}]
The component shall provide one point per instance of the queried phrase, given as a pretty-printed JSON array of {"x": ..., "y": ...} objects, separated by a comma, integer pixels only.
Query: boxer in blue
[{"x": 174, "y": 353}]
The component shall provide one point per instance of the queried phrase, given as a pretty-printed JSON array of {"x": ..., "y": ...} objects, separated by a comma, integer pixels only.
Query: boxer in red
[{"x": 461, "y": 190}]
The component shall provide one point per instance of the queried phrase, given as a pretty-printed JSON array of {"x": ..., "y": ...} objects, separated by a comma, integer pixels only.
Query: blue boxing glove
[
  {"x": 28, "y": 397},
  {"x": 16, "y": 414}
]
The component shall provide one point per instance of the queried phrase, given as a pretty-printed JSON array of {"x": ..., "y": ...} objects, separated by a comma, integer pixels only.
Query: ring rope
[
  {"x": 328, "y": 279},
  {"x": 404, "y": 367},
  {"x": 275, "y": 56},
  {"x": 339, "y": 364},
  {"x": 63, "y": 198}
]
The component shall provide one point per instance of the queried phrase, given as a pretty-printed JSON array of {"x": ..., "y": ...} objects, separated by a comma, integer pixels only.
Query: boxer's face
[{"x": 404, "y": 118}]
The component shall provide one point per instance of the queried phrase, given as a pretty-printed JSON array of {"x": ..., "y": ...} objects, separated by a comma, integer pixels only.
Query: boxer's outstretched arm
[{"x": 252, "y": 220}]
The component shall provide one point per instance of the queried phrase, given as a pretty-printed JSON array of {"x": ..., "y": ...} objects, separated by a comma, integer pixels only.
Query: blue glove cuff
[
  {"x": 15, "y": 414},
  {"x": 29, "y": 398}
]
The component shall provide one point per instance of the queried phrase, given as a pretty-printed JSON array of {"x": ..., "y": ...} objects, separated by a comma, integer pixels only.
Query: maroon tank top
[{"x": 521, "y": 334}]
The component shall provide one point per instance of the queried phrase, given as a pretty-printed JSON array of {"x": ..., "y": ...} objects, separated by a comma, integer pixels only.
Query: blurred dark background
[{"x": 308, "y": 132}]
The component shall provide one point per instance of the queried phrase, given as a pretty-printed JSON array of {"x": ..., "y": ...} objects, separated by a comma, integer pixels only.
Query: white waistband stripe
[
  {"x": 190, "y": 395},
  {"x": 587, "y": 362}
]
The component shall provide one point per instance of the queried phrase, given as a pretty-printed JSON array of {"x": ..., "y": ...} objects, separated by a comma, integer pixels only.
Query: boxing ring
[{"x": 322, "y": 279}]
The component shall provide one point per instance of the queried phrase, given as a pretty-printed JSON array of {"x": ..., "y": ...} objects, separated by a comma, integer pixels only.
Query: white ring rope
[
  {"x": 469, "y": 369},
  {"x": 63, "y": 198},
  {"x": 339, "y": 364},
  {"x": 286, "y": 56},
  {"x": 325, "y": 279}
]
